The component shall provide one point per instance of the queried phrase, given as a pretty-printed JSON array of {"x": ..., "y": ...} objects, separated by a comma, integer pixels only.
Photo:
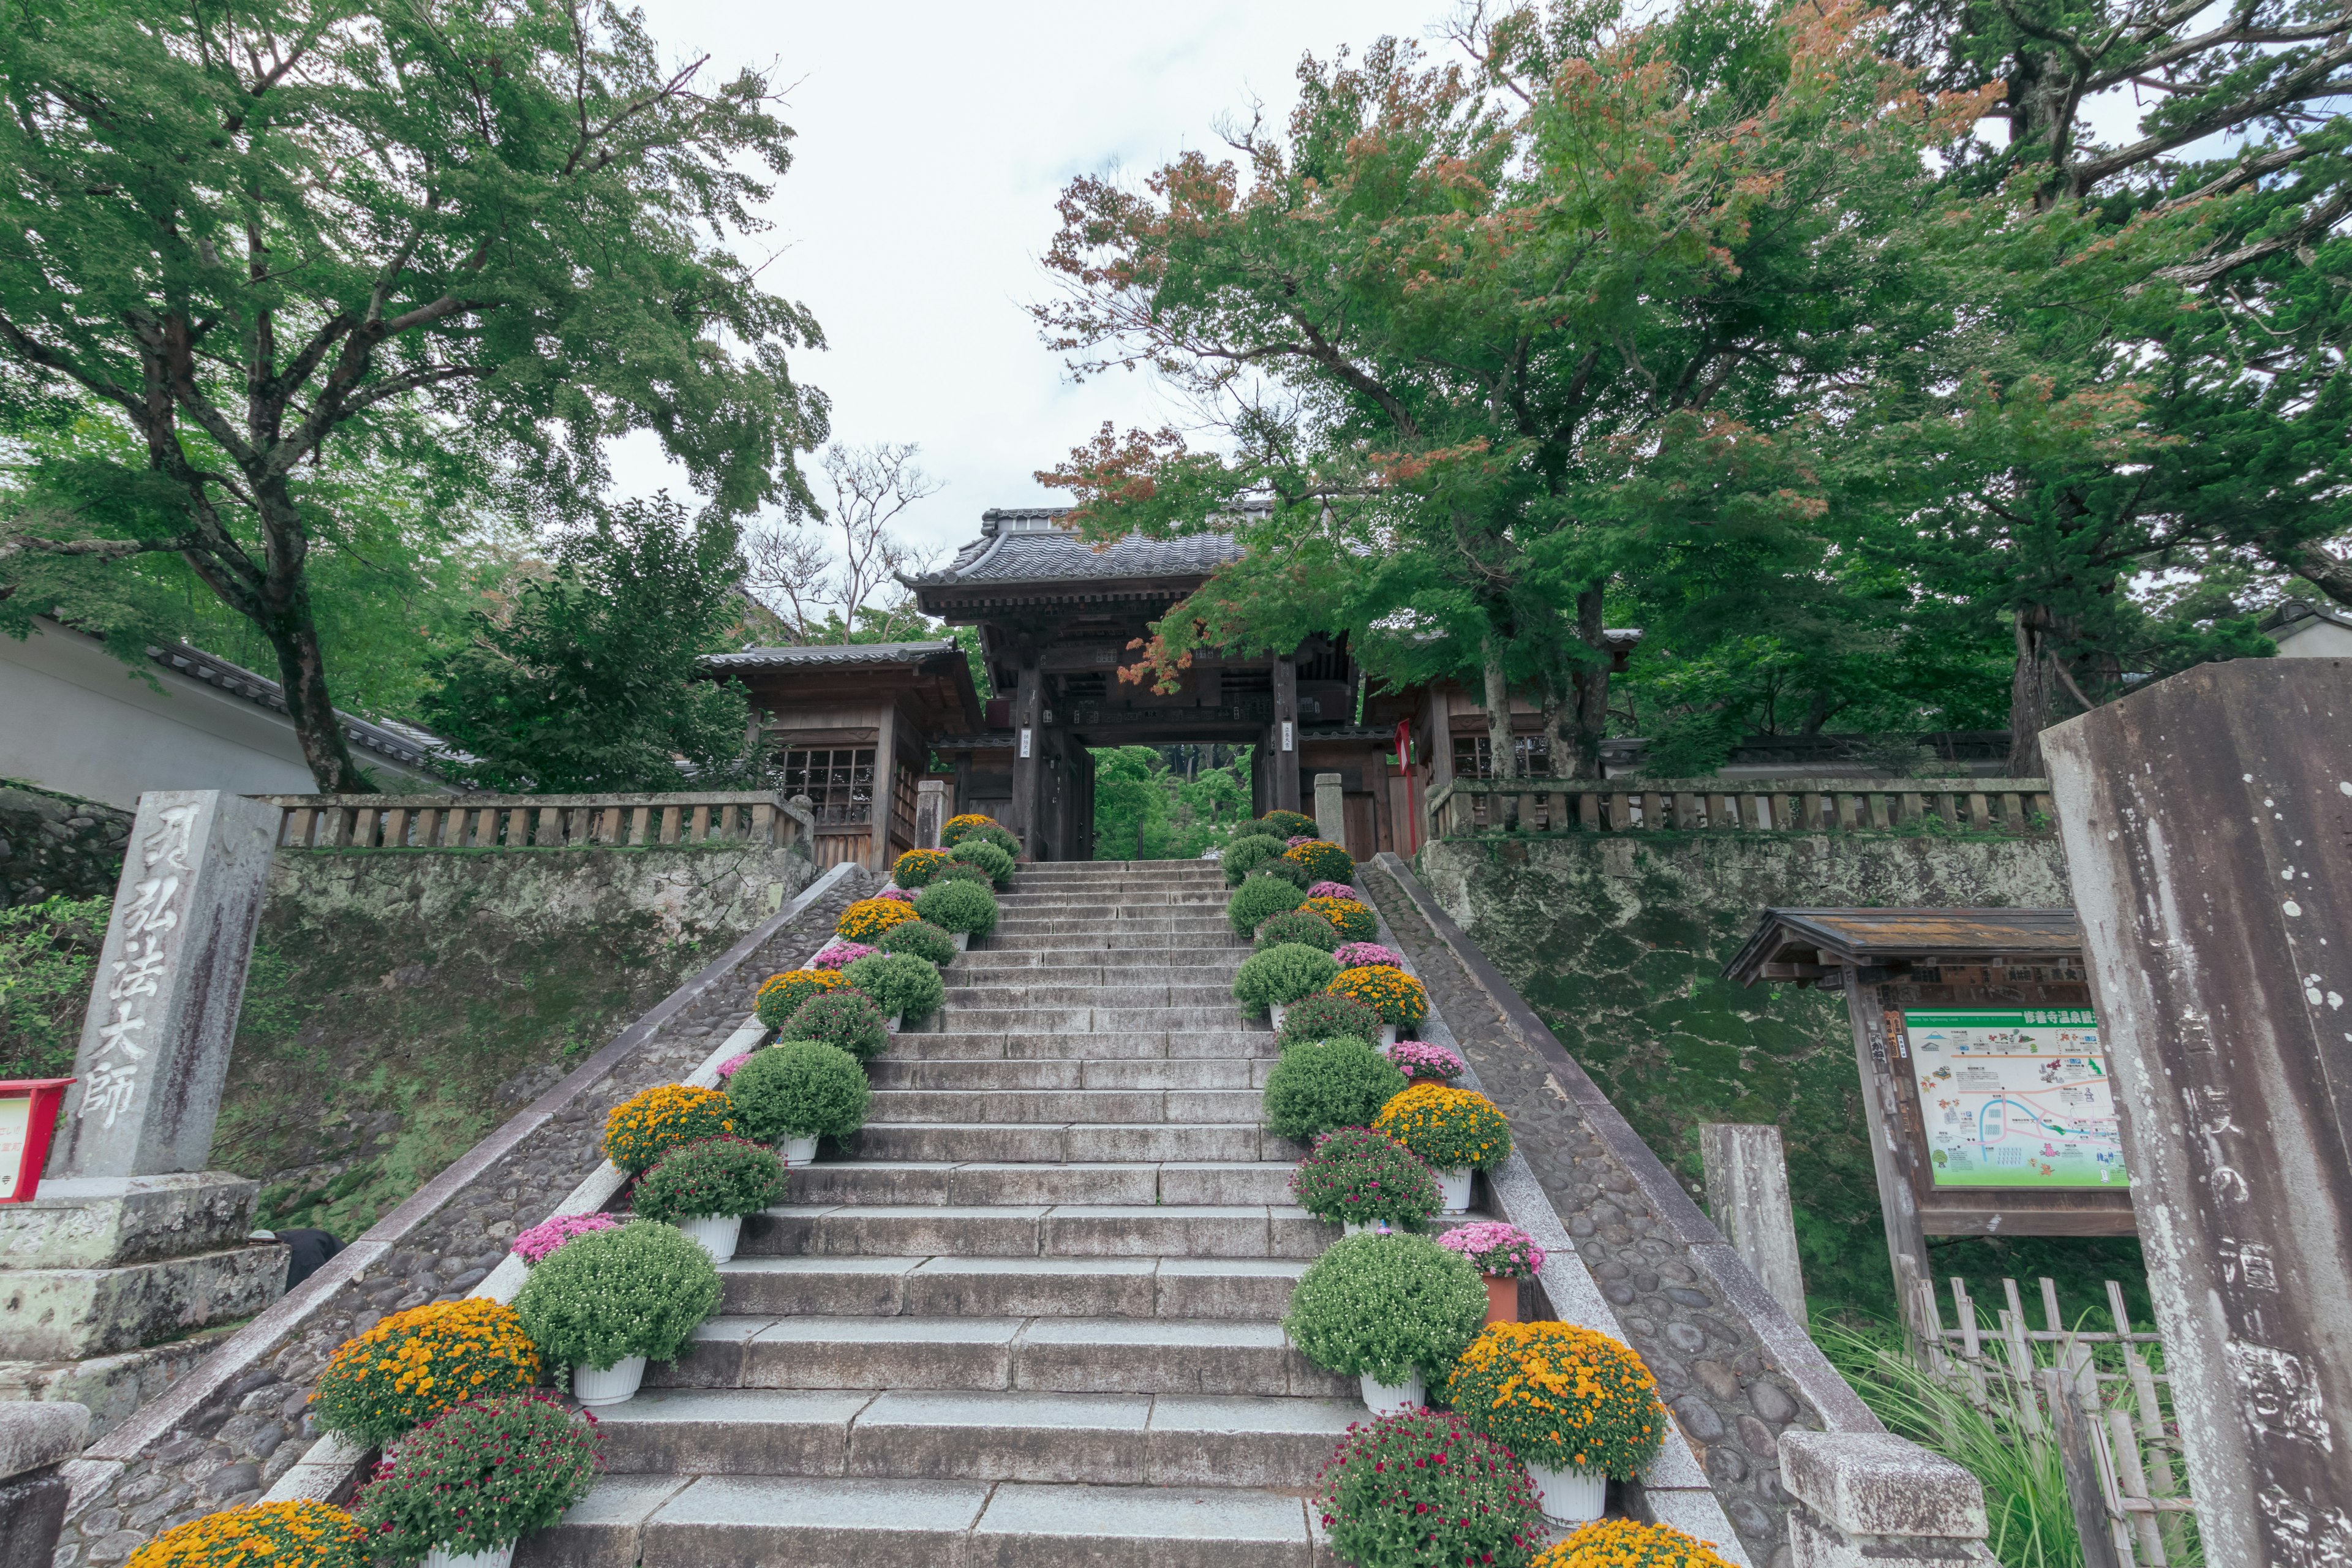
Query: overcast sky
[{"x": 932, "y": 140}]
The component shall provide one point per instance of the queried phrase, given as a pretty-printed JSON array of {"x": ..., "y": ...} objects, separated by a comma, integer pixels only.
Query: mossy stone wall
[
  {"x": 1618, "y": 942},
  {"x": 401, "y": 1004}
]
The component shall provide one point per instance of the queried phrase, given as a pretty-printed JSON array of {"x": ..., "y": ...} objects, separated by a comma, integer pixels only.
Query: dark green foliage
[
  {"x": 958, "y": 871},
  {"x": 922, "y": 939},
  {"x": 713, "y": 1179},
  {"x": 1286, "y": 825},
  {"x": 1334, "y": 1083},
  {"x": 799, "y": 1088},
  {"x": 640, "y": 1289},
  {"x": 959, "y": 904},
  {"x": 983, "y": 852},
  {"x": 48, "y": 952},
  {"x": 847, "y": 1018},
  {"x": 1259, "y": 899},
  {"x": 899, "y": 982},
  {"x": 1147, "y": 809},
  {"x": 992, "y": 834},
  {"x": 1324, "y": 1016},
  {"x": 1246, "y": 853},
  {"x": 1384, "y": 1305},
  {"x": 1299, "y": 926},
  {"x": 1360, "y": 1177},
  {"x": 1419, "y": 1490},
  {"x": 587, "y": 682},
  {"x": 483, "y": 1476},
  {"x": 1322, "y": 861},
  {"x": 1283, "y": 972}
]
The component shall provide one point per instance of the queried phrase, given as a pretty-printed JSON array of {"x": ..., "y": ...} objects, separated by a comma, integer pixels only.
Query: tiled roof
[
  {"x": 1029, "y": 545},
  {"x": 1864, "y": 936},
  {"x": 828, "y": 655},
  {"x": 403, "y": 744}
]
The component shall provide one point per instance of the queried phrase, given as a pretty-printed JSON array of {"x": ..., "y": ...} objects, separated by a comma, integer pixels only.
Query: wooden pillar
[
  {"x": 1907, "y": 1243},
  {"x": 1028, "y": 754},
  {"x": 2207, "y": 826},
  {"x": 885, "y": 762},
  {"x": 1282, "y": 740}
]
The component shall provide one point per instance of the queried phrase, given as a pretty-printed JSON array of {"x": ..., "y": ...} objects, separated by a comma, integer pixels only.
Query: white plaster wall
[
  {"x": 2312, "y": 638},
  {"x": 76, "y": 719}
]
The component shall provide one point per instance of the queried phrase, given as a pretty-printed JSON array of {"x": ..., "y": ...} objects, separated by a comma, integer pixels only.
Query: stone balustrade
[
  {"x": 543, "y": 821},
  {"x": 2020, "y": 807}
]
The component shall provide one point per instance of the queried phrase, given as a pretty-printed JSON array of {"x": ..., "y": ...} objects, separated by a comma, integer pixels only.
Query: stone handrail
[
  {"x": 1461, "y": 807},
  {"x": 541, "y": 821}
]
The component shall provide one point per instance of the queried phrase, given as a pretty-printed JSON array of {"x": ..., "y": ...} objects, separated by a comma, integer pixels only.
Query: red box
[{"x": 28, "y": 1114}]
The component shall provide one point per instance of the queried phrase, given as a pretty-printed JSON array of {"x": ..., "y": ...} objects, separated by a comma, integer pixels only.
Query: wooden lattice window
[
  {"x": 1473, "y": 757},
  {"x": 838, "y": 780},
  {"x": 902, "y": 802}
]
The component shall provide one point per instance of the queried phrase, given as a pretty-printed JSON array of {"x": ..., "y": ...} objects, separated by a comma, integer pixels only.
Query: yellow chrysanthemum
[
  {"x": 1448, "y": 1127},
  {"x": 869, "y": 918},
  {"x": 642, "y": 1128},
  {"x": 305, "y": 1534},
  {"x": 1627, "y": 1543}
]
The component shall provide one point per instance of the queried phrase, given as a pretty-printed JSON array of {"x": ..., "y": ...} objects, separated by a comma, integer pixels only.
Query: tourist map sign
[{"x": 2016, "y": 1098}]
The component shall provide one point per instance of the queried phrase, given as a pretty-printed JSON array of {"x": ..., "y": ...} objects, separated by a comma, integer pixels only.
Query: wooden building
[
  {"x": 1057, "y": 617},
  {"x": 854, "y": 728}
]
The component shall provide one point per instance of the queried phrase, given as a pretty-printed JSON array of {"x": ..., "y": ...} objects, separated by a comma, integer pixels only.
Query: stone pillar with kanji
[{"x": 131, "y": 1241}]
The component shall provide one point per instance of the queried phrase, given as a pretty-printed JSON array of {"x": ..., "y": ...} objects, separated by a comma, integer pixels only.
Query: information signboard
[{"x": 2015, "y": 1098}]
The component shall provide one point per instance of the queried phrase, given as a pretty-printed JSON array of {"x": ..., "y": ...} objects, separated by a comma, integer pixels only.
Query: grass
[{"x": 2032, "y": 1520}]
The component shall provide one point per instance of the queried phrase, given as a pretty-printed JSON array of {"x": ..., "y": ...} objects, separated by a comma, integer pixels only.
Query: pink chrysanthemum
[{"x": 533, "y": 1244}]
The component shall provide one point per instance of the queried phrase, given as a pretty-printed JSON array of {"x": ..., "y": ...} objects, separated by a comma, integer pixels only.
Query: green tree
[
  {"x": 1498, "y": 341},
  {"x": 587, "y": 681},
  {"x": 301, "y": 240}
]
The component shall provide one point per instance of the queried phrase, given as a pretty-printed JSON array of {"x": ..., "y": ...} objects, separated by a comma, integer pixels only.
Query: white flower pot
[
  {"x": 891, "y": 1022},
  {"x": 798, "y": 1151},
  {"x": 1359, "y": 1227},
  {"x": 616, "y": 1384},
  {"x": 1454, "y": 1189},
  {"x": 1394, "y": 1398},
  {"x": 962, "y": 941},
  {"x": 1387, "y": 1035},
  {"x": 1570, "y": 1496},
  {"x": 717, "y": 1232},
  {"x": 495, "y": 1557},
  {"x": 1277, "y": 1009}
]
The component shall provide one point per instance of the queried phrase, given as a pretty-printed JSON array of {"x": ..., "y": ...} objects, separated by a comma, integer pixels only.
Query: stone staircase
[{"x": 1032, "y": 1317}]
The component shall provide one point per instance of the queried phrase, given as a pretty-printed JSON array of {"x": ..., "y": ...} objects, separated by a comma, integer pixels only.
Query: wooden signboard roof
[{"x": 1801, "y": 945}]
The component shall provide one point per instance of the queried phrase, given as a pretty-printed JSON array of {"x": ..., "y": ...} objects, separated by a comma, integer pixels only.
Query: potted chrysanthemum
[
  {"x": 462, "y": 1492},
  {"x": 1576, "y": 1404},
  {"x": 1504, "y": 1255},
  {"x": 1456, "y": 1131}
]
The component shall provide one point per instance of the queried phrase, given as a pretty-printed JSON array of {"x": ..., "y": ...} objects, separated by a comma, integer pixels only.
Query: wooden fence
[
  {"x": 2093, "y": 1395},
  {"x": 1462, "y": 807},
  {"x": 541, "y": 821}
]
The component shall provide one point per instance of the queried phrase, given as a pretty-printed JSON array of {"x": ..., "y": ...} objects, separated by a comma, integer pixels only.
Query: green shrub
[
  {"x": 993, "y": 834},
  {"x": 1246, "y": 853},
  {"x": 917, "y": 867},
  {"x": 959, "y": 871},
  {"x": 1381, "y": 1305},
  {"x": 990, "y": 858},
  {"x": 1339, "y": 1083},
  {"x": 1280, "y": 973},
  {"x": 1287, "y": 824},
  {"x": 1358, "y": 1176},
  {"x": 714, "y": 1179},
  {"x": 482, "y": 1477},
  {"x": 801, "y": 1088},
  {"x": 1259, "y": 899},
  {"x": 921, "y": 939},
  {"x": 640, "y": 1289},
  {"x": 47, "y": 954},
  {"x": 899, "y": 982},
  {"x": 847, "y": 1018},
  {"x": 959, "y": 906},
  {"x": 1289, "y": 870},
  {"x": 1322, "y": 1016},
  {"x": 1323, "y": 861},
  {"x": 953, "y": 831},
  {"x": 1301, "y": 927}
]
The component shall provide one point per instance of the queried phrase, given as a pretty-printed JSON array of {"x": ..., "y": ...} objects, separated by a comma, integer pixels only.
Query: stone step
[
  {"x": 1112, "y": 1142},
  {"x": 1220, "y": 1016},
  {"x": 829, "y": 1522},
  {"x": 997, "y": 994},
  {"x": 964, "y": 1183},
  {"x": 1037, "y": 1230},
  {"x": 1125, "y": 928},
  {"x": 1216, "y": 969},
  {"x": 1175, "y": 962},
  {"x": 958, "y": 1040},
  {"x": 1192, "y": 1287},
  {"x": 919, "y": 1435},
  {"x": 1096, "y": 939},
  {"x": 1056, "y": 1107},
  {"x": 1046, "y": 1354},
  {"x": 894, "y": 1072}
]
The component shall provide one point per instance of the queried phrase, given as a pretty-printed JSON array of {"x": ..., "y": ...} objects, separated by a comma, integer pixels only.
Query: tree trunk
[
  {"x": 2318, "y": 565},
  {"x": 302, "y": 672},
  {"x": 1498, "y": 714},
  {"x": 1590, "y": 682},
  {"x": 2036, "y": 700}
]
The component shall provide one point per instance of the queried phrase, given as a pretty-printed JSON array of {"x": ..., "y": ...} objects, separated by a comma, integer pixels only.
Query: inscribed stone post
[
  {"x": 1330, "y": 808},
  {"x": 1748, "y": 1196},
  {"x": 164, "y": 1004},
  {"x": 2208, "y": 824}
]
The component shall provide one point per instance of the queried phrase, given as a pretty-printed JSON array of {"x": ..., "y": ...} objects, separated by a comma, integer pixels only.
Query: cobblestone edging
[
  {"x": 222, "y": 1436},
  {"x": 1734, "y": 1368},
  {"x": 52, "y": 844}
]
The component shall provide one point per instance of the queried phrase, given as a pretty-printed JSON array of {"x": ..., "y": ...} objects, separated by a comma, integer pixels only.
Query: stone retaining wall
[
  {"x": 220, "y": 1436},
  {"x": 52, "y": 844},
  {"x": 1736, "y": 1370}
]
